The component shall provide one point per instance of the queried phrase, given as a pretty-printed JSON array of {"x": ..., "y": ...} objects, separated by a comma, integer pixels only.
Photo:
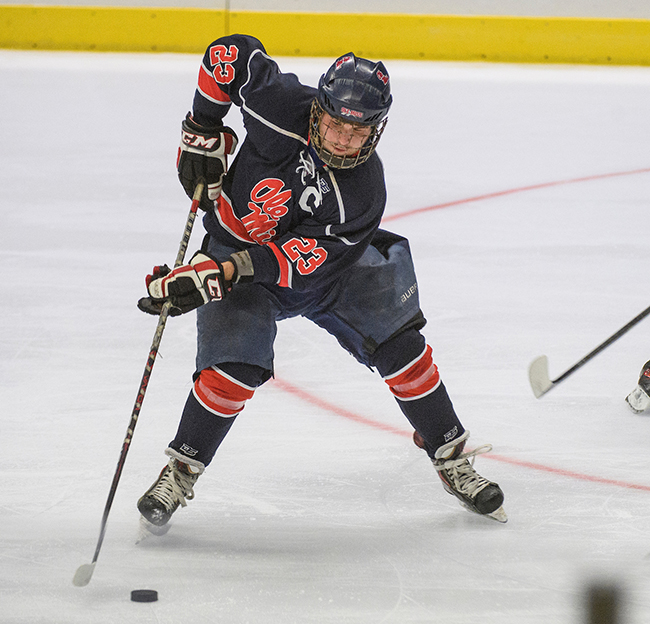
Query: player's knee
[
  {"x": 398, "y": 351},
  {"x": 224, "y": 394},
  {"x": 405, "y": 362},
  {"x": 416, "y": 379}
]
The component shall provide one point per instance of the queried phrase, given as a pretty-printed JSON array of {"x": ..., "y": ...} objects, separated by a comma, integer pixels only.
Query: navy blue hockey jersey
[{"x": 302, "y": 223}]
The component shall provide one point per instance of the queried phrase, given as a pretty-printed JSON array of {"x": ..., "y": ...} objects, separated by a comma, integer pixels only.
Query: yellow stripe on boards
[
  {"x": 109, "y": 29},
  {"x": 399, "y": 36}
]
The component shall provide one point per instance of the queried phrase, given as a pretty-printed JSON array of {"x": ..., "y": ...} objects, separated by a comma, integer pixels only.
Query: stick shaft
[
  {"x": 153, "y": 352},
  {"x": 604, "y": 345}
]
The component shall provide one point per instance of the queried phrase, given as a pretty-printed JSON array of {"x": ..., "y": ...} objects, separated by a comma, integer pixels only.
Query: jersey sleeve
[
  {"x": 222, "y": 73},
  {"x": 236, "y": 70}
]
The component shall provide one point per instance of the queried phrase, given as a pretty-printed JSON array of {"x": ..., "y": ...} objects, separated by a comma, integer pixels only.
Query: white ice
[{"x": 311, "y": 511}]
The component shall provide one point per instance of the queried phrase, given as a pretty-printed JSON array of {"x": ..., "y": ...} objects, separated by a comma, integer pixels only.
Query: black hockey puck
[{"x": 144, "y": 595}]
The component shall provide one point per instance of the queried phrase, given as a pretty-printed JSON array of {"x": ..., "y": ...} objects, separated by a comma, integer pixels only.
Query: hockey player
[
  {"x": 639, "y": 398},
  {"x": 295, "y": 231}
]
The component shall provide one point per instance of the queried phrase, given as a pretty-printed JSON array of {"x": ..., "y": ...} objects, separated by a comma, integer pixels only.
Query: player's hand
[
  {"x": 187, "y": 287},
  {"x": 203, "y": 154}
]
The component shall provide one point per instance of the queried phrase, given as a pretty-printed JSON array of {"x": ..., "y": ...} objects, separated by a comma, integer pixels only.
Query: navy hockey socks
[
  {"x": 406, "y": 364},
  {"x": 200, "y": 432},
  {"x": 218, "y": 396}
]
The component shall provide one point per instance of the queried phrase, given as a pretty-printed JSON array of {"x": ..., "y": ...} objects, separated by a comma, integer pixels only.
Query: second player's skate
[
  {"x": 639, "y": 398},
  {"x": 456, "y": 471}
]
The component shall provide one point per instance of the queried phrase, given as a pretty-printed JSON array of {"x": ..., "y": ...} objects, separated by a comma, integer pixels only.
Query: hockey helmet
[{"x": 356, "y": 91}]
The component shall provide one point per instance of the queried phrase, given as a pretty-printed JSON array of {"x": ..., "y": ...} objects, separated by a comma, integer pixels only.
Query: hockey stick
[
  {"x": 84, "y": 572},
  {"x": 538, "y": 376}
]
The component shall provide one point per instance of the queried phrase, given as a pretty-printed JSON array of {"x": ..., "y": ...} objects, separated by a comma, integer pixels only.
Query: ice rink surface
[{"x": 524, "y": 191}]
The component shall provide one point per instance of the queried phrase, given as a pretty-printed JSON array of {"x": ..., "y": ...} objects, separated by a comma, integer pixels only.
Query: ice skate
[
  {"x": 456, "y": 471},
  {"x": 639, "y": 398},
  {"x": 171, "y": 490}
]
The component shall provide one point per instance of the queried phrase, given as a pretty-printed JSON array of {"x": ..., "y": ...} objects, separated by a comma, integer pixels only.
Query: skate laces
[
  {"x": 174, "y": 487},
  {"x": 460, "y": 471}
]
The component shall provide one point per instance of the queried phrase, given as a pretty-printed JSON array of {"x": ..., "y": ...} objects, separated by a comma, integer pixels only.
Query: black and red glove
[
  {"x": 187, "y": 287},
  {"x": 203, "y": 155}
]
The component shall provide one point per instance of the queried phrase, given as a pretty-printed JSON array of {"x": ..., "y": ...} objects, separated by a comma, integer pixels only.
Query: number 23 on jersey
[{"x": 304, "y": 254}]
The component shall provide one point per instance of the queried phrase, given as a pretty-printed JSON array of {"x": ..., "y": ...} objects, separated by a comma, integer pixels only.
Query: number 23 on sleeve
[{"x": 304, "y": 253}]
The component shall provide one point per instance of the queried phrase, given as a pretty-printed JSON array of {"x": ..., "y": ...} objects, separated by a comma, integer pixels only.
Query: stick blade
[
  {"x": 540, "y": 382},
  {"x": 83, "y": 575}
]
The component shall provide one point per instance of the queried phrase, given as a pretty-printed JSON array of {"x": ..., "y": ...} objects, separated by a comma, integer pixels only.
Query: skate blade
[
  {"x": 638, "y": 400},
  {"x": 499, "y": 515},
  {"x": 146, "y": 529}
]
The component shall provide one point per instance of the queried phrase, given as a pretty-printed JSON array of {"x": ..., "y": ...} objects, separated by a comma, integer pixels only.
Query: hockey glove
[
  {"x": 203, "y": 154},
  {"x": 187, "y": 287}
]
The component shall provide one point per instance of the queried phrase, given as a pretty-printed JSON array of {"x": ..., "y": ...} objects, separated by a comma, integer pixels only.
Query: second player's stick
[
  {"x": 538, "y": 376},
  {"x": 84, "y": 572}
]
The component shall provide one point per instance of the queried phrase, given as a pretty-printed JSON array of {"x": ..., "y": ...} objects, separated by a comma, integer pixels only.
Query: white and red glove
[
  {"x": 187, "y": 287},
  {"x": 203, "y": 155}
]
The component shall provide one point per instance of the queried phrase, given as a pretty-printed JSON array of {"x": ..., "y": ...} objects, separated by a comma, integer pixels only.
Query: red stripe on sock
[
  {"x": 222, "y": 395},
  {"x": 419, "y": 378}
]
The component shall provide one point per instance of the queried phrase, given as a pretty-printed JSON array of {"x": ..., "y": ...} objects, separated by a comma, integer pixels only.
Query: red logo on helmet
[
  {"x": 383, "y": 77},
  {"x": 342, "y": 60},
  {"x": 351, "y": 113}
]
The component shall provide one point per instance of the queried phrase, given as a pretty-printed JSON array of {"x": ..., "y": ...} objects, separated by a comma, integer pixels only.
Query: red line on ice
[
  {"x": 532, "y": 187},
  {"x": 568, "y": 473},
  {"x": 327, "y": 406},
  {"x": 331, "y": 407}
]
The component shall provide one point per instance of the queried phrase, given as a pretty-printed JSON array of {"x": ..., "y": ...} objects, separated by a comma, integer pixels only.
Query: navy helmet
[{"x": 356, "y": 91}]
